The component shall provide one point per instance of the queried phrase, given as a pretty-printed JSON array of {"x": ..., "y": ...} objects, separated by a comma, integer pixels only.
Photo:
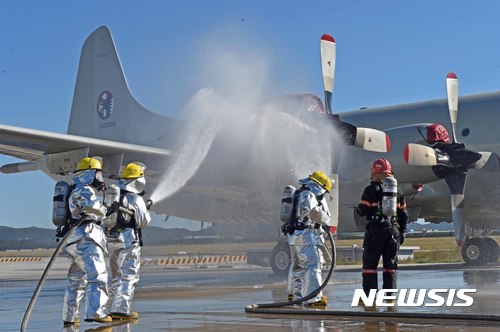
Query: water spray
[{"x": 197, "y": 135}]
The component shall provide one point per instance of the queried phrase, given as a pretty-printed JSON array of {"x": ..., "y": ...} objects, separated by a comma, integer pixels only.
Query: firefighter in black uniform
[{"x": 383, "y": 234}]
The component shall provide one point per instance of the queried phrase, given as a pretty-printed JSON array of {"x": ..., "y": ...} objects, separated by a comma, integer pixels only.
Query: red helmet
[{"x": 381, "y": 165}]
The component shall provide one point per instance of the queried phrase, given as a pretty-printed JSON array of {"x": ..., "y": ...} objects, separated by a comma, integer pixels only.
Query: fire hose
[
  {"x": 41, "y": 282},
  {"x": 251, "y": 307},
  {"x": 267, "y": 308}
]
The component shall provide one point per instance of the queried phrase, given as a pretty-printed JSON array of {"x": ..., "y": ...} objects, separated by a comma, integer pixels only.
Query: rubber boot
[
  {"x": 68, "y": 324},
  {"x": 321, "y": 303},
  {"x": 105, "y": 319},
  {"x": 121, "y": 316}
]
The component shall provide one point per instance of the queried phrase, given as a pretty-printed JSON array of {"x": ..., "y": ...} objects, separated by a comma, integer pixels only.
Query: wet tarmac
[{"x": 214, "y": 300}]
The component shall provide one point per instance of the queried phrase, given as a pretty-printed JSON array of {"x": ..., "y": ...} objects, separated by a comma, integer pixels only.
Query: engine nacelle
[{"x": 400, "y": 137}]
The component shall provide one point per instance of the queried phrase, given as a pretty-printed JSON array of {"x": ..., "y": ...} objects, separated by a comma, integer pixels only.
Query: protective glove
[
  {"x": 287, "y": 229},
  {"x": 149, "y": 204},
  {"x": 314, "y": 215},
  {"x": 318, "y": 216}
]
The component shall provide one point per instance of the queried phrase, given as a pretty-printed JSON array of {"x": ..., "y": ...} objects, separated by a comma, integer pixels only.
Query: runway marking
[
  {"x": 21, "y": 259},
  {"x": 168, "y": 261},
  {"x": 196, "y": 260}
]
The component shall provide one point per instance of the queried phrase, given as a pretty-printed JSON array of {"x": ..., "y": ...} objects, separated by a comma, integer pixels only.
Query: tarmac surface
[{"x": 214, "y": 299}]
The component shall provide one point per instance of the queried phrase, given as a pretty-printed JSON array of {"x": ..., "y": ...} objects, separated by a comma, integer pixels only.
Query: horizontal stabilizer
[{"x": 19, "y": 167}]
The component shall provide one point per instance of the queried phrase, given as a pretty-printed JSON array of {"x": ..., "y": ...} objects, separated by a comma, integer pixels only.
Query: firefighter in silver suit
[
  {"x": 307, "y": 238},
  {"x": 124, "y": 241},
  {"x": 87, "y": 275}
]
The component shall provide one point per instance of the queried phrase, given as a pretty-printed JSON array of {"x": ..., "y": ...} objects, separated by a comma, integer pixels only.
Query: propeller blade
[
  {"x": 372, "y": 140},
  {"x": 489, "y": 162},
  {"x": 456, "y": 184},
  {"x": 452, "y": 92},
  {"x": 420, "y": 155},
  {"x": 365, "y": 138},
  {"x": 458, "y": 217},
  {"x": 328, "y": 52}
]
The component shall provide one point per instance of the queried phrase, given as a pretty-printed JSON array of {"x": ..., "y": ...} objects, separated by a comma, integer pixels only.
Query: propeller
[
  {"x": 366, "y": 138},
  {"x": 451, "y": 161}
]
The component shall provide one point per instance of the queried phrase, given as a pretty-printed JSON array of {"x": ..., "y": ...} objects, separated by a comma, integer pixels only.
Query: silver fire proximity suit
[
  {"x": 307, "y": 240},
  {"x": 87, "y": 275},
  {"x": 124, "y": 247}
]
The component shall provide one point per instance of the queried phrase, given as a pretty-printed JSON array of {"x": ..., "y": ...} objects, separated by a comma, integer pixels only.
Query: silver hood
[
  {"x": 85, "y": 177},
  {"x": 313, "y": 186},
  {"x": 136, "y": 186}
]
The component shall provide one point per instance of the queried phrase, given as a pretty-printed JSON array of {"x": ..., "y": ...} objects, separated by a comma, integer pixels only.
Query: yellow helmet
[
  {"x": 88, "y": 163},
  {"x": 133, "y": 171},
  {"x": 322, "y": 179}
]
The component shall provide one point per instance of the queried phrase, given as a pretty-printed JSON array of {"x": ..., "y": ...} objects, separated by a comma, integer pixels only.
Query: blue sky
[{"x": 388, "y": 52}]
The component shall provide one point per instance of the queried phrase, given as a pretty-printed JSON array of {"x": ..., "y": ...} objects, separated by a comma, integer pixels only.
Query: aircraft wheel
[
  {"x": 280, "y": 258},
  {"x": 474, "y": 251},
  {"x": 492, "y": 250}
]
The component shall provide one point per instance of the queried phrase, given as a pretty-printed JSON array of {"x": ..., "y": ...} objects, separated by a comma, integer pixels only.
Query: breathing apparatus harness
[
  {"x": 289, "y": 211},
  {"x": 122, "y": 223},
  {"x": 61, "y": 215},
  {"x": 115, "y": 222},
  {"x": 388, "y": 202}
]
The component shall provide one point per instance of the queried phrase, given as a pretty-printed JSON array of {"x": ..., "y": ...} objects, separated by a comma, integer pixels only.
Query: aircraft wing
[{"x": 58, "y": 153}]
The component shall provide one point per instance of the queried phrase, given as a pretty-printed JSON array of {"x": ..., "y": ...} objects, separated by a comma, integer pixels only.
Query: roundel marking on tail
[{"x": 105, "y": 105}]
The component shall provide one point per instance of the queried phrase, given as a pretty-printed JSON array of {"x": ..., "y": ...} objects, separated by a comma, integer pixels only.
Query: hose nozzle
[{"x": 149, "y": 203}]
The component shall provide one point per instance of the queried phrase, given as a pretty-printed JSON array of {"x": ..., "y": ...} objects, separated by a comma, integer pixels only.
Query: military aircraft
[
  {"x": 430, "y": 156},
  {"x": 229, "y": 163}
]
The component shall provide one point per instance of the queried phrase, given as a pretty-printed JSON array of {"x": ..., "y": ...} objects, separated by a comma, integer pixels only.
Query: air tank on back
[{"x": 389, "y": 197}]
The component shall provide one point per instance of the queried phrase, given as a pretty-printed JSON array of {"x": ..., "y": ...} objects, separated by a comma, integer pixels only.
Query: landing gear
[
  {"x": 280, "y": 258},
  {"x": 492, "y": 251},
  {"x": 480, "y": 250}
]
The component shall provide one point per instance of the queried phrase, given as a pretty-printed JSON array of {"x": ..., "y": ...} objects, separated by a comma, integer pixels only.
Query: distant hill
[
  {"x": 34, "y": 237},
  {"x": 9, "y": 233},
  {"x": 26, "y": 238}
]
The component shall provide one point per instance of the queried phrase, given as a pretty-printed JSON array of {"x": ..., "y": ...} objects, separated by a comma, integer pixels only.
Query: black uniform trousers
[{"x": 381, "y": 239}]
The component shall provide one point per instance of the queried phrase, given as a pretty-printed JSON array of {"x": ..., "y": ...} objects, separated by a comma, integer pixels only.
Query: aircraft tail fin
[{"x": 103, "y": 106}]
